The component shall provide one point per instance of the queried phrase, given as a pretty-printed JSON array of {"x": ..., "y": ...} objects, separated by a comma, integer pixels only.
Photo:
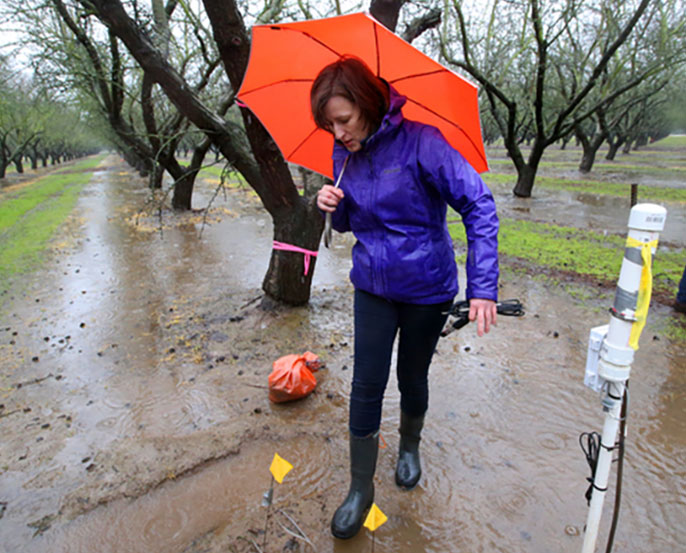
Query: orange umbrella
[{"x": 286, "y": 58}]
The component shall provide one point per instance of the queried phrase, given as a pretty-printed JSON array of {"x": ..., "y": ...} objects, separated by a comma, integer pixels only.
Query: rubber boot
[
  {"x": 408, "y": 469},
  {"x": 348, "y": 518}
]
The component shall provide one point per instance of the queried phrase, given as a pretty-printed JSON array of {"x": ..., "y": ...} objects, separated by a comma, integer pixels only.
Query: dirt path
[{"x": 135, "y": 417}]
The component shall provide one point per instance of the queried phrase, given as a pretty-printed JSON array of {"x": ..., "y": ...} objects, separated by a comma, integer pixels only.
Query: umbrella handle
[
  {"x": 327, "y": 230},
  {"x": 327, "y": 218}
]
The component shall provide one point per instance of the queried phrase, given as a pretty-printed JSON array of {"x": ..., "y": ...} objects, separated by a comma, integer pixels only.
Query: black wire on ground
[{"x": 620, "y": 470}]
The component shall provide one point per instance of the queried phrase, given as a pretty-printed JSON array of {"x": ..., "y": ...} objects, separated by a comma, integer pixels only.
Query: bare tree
[
  {"x": 19, "y": 125},
  {"x": 149, "y": 144},
  {"x": 245, "y": 145},
  {"x": 515, "y": 54},
  {"x": 296, "y": 219}
]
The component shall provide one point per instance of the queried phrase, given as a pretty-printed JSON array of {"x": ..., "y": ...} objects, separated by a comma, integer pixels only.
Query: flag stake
[{"x": 269, "y": 511}]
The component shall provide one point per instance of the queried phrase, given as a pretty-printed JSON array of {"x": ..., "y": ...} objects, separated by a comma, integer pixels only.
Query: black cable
[
  {"x": 591, "y": 450},
  {"x": 460, "y": 310},
  {"x": 620, "y": 469}
]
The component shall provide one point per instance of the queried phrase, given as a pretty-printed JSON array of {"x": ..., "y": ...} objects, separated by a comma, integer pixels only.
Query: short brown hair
[{"x": 352, "y": 79}]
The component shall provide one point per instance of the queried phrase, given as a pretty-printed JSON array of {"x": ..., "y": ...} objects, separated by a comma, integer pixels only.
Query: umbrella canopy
[{"x": 286, "y": 58}]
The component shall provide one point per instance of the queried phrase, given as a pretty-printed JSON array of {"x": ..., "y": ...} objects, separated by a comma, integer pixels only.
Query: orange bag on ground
[{"x": 292, "y": 377}]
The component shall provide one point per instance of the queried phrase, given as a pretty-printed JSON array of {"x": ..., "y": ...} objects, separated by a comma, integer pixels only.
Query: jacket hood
[{"x": 391, "y": 121}]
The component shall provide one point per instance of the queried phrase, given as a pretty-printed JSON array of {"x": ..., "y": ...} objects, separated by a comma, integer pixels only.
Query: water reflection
[{"x": 583, "y": 210}]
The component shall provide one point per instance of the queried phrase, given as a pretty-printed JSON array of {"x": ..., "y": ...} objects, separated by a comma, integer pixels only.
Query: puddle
[{"x": 583, "y": 210}]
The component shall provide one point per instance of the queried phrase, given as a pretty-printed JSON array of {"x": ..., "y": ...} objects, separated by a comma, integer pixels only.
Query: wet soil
[{"x": 135, "y": 418}]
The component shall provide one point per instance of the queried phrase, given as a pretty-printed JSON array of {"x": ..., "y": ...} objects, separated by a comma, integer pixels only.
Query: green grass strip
[
  {"x": 15, "y": 208},
  {"x": 87, "y": 164},
  {"x": 30, "y": 217},
  {"x": 672, "y": 142},
  {"x": 233, "y": 178},
  {"x": 581, "y": 251},
  {"x": 13, "y": 205}
]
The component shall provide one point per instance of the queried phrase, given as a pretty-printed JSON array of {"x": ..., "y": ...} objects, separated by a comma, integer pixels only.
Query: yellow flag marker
[
  {"x": 279, "y": 468},
  {"x": 375, "y": 518}
]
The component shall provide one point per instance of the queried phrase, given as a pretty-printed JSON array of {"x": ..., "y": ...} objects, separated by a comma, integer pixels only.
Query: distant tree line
[{"x": 36, "y": 128}]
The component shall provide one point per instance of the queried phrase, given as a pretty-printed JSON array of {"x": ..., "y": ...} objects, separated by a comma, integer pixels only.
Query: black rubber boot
[
  {"x": 348, "y": 518},
  {"x": 408, "y": 469}
]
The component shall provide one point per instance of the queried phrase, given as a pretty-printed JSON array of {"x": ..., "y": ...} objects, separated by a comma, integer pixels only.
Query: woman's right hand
[{"x": 328, "y": 198}]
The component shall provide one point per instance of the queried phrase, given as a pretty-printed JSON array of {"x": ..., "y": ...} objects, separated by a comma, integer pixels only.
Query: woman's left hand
[{"x": 484, "y": 312}]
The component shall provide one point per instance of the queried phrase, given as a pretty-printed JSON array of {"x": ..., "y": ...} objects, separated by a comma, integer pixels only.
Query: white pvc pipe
[
  {"x": 602, "y": 473},
  {"x": 646, "y": 221}
]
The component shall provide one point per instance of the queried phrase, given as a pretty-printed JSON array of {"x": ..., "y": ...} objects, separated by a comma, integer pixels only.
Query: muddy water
[
  {"x": 595, "y": 212},
  {"x": 502, "y": 467}
]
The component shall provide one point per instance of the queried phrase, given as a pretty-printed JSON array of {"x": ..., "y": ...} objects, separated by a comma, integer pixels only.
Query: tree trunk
[
  {"x": 184, "y": 181},
  {"x": 156, "y": 176},
  {"x": 614, "y": 147},
  {"x": 183, "y": 186},
  {"x": 526, "y": 172},
  {"x": 4, "y": 157},
  {"x": 590, "y": 150},
  {"x": 386, "y": 12},
  {"x": 285, "y": 279},
  {"x": 182, "y": 197},
  {"x": 19, "y": 164},
  {"x": 526, "y": 176},
  {"x": 565, "y": 140},
  {"x": 296, "y": 220},
  {"x": 4, "y": 162},
  {"x": 587, "y": 160}
]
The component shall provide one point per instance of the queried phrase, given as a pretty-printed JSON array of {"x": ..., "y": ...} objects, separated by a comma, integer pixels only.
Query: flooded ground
[
  {"x": 579, "y": 209},
  {"x": 647, "y": 167},
  {"x": 135, "y": 415}
]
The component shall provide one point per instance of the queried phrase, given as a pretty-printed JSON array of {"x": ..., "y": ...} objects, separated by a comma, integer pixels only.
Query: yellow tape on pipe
[{"x": 645, "y": 288}]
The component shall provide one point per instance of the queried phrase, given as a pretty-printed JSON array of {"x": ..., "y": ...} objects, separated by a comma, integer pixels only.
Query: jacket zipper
[{"x": 378, "y": 284}]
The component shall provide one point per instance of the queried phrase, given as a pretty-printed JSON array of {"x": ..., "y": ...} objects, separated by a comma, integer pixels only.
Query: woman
[{"x": 399, "y": 176}]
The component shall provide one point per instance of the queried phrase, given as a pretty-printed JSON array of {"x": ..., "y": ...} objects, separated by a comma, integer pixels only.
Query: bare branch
[{"x": 421, "y": 24}]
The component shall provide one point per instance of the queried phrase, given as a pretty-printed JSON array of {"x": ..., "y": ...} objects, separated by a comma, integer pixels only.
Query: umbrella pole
[{"x": 608, "y": 369}]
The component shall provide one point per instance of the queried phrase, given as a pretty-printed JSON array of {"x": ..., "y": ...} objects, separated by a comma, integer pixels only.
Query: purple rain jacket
[{"x": 397, "y": 188}]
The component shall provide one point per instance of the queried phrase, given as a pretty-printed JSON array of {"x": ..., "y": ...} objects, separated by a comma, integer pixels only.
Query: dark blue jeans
[
  {"x": 377, "y": 321},
  {"x": 681, "y": 294}
]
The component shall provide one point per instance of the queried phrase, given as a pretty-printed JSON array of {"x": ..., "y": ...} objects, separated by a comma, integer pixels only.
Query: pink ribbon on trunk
[{"x": 290, "y": 248}]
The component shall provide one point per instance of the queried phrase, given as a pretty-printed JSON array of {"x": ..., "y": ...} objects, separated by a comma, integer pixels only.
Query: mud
[{"x": 134, "y": 410}]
